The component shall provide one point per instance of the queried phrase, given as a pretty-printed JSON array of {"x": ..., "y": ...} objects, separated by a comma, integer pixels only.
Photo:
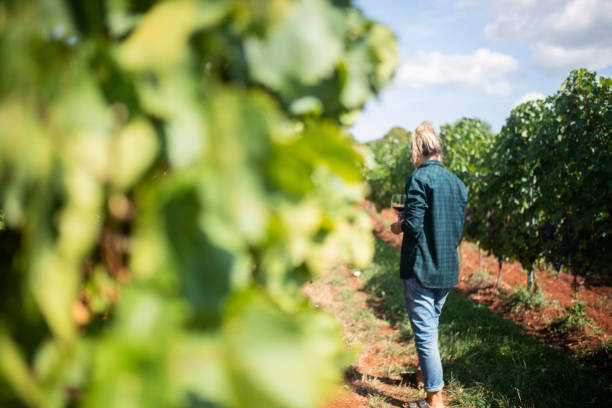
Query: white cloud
[
  {"x": 529, "y": 96},
  {"x": 562, "y": 34},
  {"x": 561, "y": 58},
  {"x": 482, "y": 69}
]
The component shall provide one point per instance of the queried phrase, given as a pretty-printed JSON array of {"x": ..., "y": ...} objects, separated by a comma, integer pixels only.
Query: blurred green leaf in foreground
[{"x": 170, "y": 174}]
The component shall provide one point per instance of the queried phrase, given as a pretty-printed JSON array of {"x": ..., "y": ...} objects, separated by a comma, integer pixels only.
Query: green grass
[
  {"x": 381, "y": 281},
  {"x": 576, "y": 320},
  {"x": 377, "y": 401},
  {"x": 489, "y": 362},
  {"x": 479, "y": 278},
  {"x": 335, "y": 280},
  {"x": 363, "y": 322},
  {"x": 522, "y": 299}
]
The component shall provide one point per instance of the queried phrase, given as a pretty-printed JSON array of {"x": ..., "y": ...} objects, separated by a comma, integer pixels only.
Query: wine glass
[{"x": 397, "y": 202}]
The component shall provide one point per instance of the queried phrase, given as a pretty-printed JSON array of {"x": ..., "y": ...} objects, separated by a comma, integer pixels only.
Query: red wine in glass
[{"x": 397, "y": 202}]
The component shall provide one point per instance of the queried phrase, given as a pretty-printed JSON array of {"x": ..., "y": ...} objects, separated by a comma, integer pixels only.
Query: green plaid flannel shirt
[{"x": 435, "y": 211}]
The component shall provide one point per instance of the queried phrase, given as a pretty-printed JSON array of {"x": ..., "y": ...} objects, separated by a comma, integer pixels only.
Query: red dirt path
[{"x": 372, "y": 373}]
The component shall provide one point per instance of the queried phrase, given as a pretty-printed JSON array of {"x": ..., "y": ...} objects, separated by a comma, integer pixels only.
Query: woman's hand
[{"x": 396, "y": 227}]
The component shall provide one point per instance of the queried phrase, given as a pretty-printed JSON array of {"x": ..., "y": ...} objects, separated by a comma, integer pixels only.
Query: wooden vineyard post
[
  {"x": 500, "y": 262},
  {"x": 529, "y": 278},
  {"x": 532, "y": 279}
]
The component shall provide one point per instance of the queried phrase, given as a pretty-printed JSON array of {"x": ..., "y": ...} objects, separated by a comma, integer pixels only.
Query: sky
[{"x": 480, "y": 58}]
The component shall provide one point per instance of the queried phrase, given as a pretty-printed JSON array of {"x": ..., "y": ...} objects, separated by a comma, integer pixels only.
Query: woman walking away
[{"x": 432, "y": 224}]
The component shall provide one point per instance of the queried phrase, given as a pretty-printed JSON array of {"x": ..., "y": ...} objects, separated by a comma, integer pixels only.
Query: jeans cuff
[{"x": 435, "y": 389}]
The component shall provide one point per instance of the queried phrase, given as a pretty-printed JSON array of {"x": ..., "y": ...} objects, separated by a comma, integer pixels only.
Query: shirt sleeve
[{"x": 416, "y": 205}]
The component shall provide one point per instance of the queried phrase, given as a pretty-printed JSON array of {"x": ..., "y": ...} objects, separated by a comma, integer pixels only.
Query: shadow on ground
[{"x": 358, "y": 383}]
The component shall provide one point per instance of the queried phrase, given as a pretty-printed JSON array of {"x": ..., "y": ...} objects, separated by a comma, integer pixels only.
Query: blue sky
[{"x": 479, "y": 58}]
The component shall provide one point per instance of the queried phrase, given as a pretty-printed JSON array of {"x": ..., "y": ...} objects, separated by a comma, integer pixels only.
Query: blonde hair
[{"x": 425, "y": 143}]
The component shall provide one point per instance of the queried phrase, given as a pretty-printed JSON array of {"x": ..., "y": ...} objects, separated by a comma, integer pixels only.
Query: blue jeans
[{"x": 424, "y": 306}]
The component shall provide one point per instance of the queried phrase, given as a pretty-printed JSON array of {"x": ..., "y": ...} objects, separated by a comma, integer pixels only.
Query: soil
[{"x": 380, "y": 373}]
